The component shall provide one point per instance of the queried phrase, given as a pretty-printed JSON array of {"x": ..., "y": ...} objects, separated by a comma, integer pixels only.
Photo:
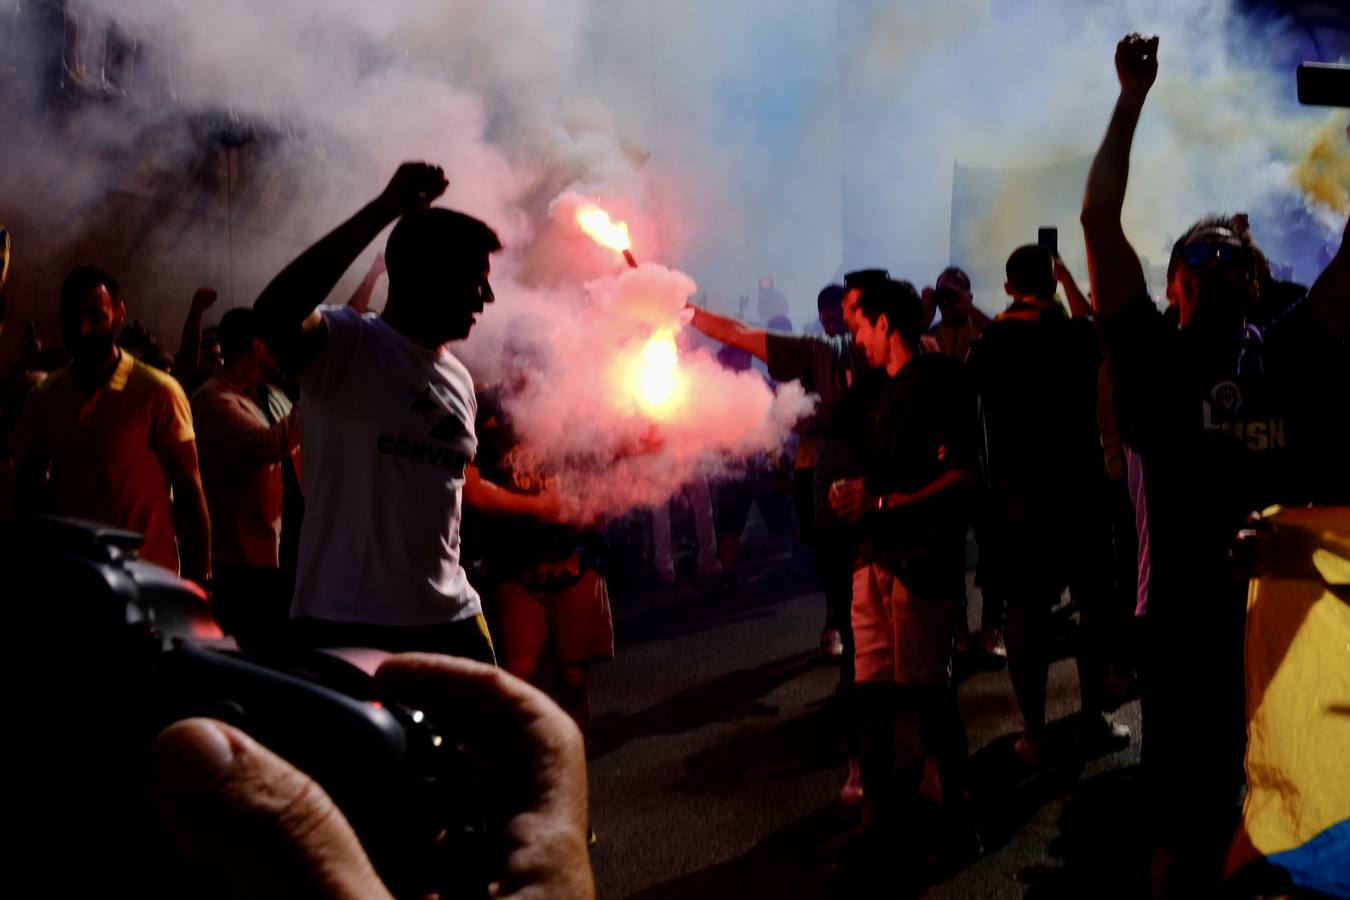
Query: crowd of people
[{"x": 1096, "y": 444}]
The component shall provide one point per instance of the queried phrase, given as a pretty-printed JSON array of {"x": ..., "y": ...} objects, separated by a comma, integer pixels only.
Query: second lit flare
[{"x": 652, "y": 377}]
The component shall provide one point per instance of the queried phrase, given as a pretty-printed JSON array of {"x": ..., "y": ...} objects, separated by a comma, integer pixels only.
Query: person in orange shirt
[
  {"x": 107, "y": 438},
  {"x": 248, "y": 433}
]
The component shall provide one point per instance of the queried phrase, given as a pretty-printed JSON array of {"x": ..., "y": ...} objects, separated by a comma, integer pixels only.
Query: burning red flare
[{"x": 606, "y": 232}]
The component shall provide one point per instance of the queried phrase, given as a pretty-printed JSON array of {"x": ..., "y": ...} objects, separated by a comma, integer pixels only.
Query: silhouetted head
[
  {"x": 438, "y": 274},
  {"x": 734, "y": 358},
  {"x": 244, "y": 352},
  {"x": 952, "y": 286},
  {"x": 830, "y": 303},
  {"x": 1031, "y": 273},
  {"x": 92, "y": 312}
]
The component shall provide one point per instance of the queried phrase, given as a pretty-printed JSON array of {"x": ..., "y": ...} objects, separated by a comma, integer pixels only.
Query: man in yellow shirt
[{"x": 107, "y": 438}]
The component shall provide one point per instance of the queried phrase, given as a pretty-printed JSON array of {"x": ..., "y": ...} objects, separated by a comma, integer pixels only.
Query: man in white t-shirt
[{"x": 388, "y": 426}]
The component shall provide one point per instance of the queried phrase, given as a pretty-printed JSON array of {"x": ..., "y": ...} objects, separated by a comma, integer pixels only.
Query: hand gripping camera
[{"x": 112, "y": 649}]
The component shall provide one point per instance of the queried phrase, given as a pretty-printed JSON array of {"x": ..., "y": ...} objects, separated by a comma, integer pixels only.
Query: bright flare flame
[
  {"x": 653, "y": 377},
  {"x": 596, "y": 223}
]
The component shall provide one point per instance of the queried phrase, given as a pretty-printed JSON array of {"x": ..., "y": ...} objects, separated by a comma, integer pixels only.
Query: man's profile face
[
  {"x": 1214, "y": 275},
  {"x": 89, "y": 326},
  {"x": 849, "y": 309},
  {"x": 455, "y": 297},
  {"x": 873, "y": 340}
]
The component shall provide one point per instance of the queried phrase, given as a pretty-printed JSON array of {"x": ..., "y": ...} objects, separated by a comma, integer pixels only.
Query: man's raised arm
[
  {"x": 731, "y": 331},
  {"x": 287, "y": 304},
  {"x": 1329, "y": 297},
  {"x": 1114, "y": 270}
]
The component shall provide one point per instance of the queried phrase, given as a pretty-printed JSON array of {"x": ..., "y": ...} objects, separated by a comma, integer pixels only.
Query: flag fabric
[{"x": 1296, "y": 815}]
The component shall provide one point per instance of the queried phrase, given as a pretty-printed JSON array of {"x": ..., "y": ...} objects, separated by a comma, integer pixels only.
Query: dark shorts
[
  {"x": 575, "y": 620},
  {"x": 1034, "y": 557}
]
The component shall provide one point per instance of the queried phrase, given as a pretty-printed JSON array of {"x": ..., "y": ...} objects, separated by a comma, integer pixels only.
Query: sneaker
[
  {"x": 991, "y": 643},
  {"x": 831, "y": 643},
  {"x": 852, "y": 792},
  {"x": 1099, "y": 735}
]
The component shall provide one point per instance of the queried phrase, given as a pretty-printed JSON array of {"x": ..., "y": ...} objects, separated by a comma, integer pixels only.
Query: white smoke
[{"x": 737, "y": 140}]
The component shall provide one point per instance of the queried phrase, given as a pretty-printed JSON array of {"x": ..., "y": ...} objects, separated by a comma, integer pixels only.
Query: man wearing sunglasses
[{"x": 1235, "y": 407}]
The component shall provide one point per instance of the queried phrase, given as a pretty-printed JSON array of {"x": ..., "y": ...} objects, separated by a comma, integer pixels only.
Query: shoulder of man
[
  {"x": 342, "y": 322},
  {"x": 145, "y": 377}
]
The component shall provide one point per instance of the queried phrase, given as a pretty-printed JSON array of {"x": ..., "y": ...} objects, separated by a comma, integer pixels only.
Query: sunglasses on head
[{"x": 1201, "y": 252}]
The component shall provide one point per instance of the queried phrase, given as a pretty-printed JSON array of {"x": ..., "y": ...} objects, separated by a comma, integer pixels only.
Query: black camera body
[{"x": 138, "y": 650}]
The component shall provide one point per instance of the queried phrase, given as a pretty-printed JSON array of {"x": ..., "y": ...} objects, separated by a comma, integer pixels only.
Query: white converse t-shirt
[{"x": 386, "y": 431}]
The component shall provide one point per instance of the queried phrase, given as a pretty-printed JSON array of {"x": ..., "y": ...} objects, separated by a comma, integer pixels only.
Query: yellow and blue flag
[{"x": 1297, "y": 811}]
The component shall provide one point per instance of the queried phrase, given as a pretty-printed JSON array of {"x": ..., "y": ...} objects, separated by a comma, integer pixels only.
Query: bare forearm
[
  {"x": 1079, "y": 305},
  {"x": 188, "y": 359},
  {"x": 193, "y": 525},
  {"x": 1110, "y": 172},
  {"x": 492, "y": 499},
  {"x": 732, "y": 332},
  {"x": 303, "y": 285},
  {"x": 1114, "y": 271},
  {"x": 946, "y": 485}
]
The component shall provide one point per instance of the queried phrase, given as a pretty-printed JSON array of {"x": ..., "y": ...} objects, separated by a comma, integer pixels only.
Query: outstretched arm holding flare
[
  {"x": 732, "y": 332},
  {"x": 1114, "y": 271},
  {"x": 287, "y": 305}
]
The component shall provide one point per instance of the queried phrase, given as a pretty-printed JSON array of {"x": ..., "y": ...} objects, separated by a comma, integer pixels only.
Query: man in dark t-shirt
[
  {"x": 1036, "y": 371},
  {"x": 833, "y": 368},
  {"x": 911, "y": 506},
  {"x": 1239, "y": 405}
]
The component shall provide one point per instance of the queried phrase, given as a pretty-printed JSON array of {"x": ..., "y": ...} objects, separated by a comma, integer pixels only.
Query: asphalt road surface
[{"x": 716, "y": 767}]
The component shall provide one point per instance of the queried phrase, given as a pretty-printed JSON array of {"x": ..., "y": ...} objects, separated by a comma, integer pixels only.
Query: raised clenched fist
[
  {"x": 1137, "y": 63},
  {"x": 413, "y": 187}
]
